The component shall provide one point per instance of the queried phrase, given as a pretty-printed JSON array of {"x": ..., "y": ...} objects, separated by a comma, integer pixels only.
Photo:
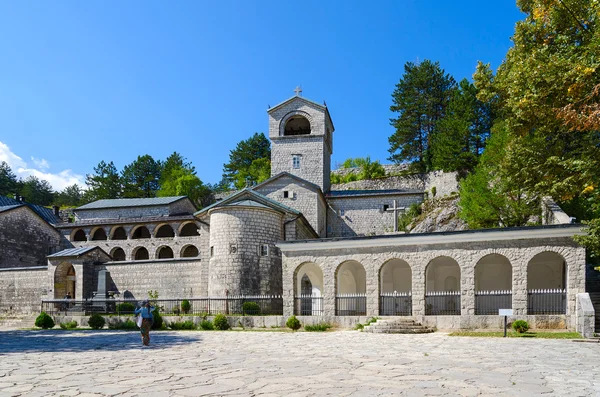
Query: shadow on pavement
[{"x": 85, "y": 340}]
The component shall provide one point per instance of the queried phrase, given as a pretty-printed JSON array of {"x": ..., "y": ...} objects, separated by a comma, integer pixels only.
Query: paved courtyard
[{"x": 345, "y": 363}]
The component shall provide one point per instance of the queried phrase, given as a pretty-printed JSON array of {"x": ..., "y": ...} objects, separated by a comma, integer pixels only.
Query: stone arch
[
  {"x": 78, "y": 235},
  {"x": 395, "y": 275},
  {"x": 442, "y": 274},
  {"x": 188, "y": 229},
  {"x": 164, "y": 231},
  {"x": 350, "y": 278},
  {"x": 65, "y": 281},
  {"x": 493, "y": 272},
  {"x": 118, "y": 233},
  {"x": 164, "y": 252},
  {"x": 308, "y": 289},
  {"x": 547, "y": 270},
  {"x": 296, "y": 120},
  {"x": 140, "y": 232},
  {"x": 140, "y": 254},
  {"x": 98, "y": 234},
  {"x": 189, "y": 251},
  {"x": 118, "y": 254}
]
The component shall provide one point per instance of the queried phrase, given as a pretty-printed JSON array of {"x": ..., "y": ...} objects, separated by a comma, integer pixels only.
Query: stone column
[
  {"x": 467, "y": 287},
  {"x": 519, "y": 287},
  {"x": 372, "y": 287},
  {"x": 418, "y": 289},
  {"x": 329, "y": 290},
  {"x": 288, "y": 286}
]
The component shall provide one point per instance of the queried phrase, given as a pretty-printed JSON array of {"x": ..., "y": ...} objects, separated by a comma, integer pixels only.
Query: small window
[
  {"x": 385, "y": 207},
  {"x": 342, "y": 212},
  {"x": 296, "y": 161},
  {"x": 286, "y": 194},
  {"x": 212, "y": 251},
  {"x": 264, "y": 250}
]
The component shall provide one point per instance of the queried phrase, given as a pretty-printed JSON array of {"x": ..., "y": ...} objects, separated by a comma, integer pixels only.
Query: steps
[{"x": 397, "y": 325}]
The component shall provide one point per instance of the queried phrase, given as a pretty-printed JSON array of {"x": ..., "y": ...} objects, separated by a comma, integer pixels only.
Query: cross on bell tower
[{"x": 298, "y": 91}]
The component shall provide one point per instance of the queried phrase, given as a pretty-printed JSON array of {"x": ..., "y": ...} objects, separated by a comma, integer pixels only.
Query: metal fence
[
  {"x": 547, "y": 301},
  {"x": 442, "y": 303},
  {"x": 351, "y": 305},
  {"x": 395, "y": 304},
  {"x": 232, "y": 305},
  {"x": 488, "y": 302},
  {"x": 308, "y": 305}
]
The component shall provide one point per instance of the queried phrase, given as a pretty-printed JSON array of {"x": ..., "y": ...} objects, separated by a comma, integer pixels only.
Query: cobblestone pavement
[{"x": 344, "y": 363}]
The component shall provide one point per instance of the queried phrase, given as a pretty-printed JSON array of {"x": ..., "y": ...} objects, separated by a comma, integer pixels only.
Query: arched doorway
[
  {"x": 165, "y": 231},
  {"x": 493, "y": 284},
  {"x": 189, "y": 251},
  {"x": 442, "y": 287},
  {"x": 140, "y": 232},
  {"x": 189, "y": 230},
  {"x": 164, "y": 252},
  {"x": 99, "y": 234},
  {"x": 118, "y": 254},
  {"x": 546, "y": 284},
  {"x": 351, "y": 288},
  {"x": 395, "y": 286},
  {"x": 79, "y": 235},
  {"x": 140, "y": 254},
  {"x": 308, "y": 290},
  {"x": 65, "y": 281},
  {"x": 119, "y": 234}
]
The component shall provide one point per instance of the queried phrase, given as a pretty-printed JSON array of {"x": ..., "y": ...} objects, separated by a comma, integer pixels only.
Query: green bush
[
  {"x": 293, "y": 323},
  {"x": 158, "y": 320},
  {"x": 96, "y": 321},
  {"x": 321, "y": 327},
  {"x": 186, "y": 306},
  {"x": 127, "y": 324},
  {"x": 521, "y": 326},
  {"x": 359, "y": 327},
  {"x": 125, "y": 307},
  {"x": 221, "y": 322},
  {"x": 68, "y": 325},
  {"x": 251, "y": 308},
  {"x": 182, "y": 325},
  {"x": 44, "y": 321},
  {"x": 207, "y": 325}
]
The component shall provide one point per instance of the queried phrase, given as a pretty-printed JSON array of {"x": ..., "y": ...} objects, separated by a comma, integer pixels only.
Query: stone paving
[{"x": 343, "y": 363}]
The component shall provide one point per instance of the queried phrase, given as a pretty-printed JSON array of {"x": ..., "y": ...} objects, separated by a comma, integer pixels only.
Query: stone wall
[
  {"x": 26, "y": 239},
  {"x": 518, "y": 251},
  {"x": 364, "y": 215},
  {"x": 21, "y": 290}
]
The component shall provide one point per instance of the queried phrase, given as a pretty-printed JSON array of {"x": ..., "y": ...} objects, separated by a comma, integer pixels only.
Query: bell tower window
[{"x": 297, "y": 125}]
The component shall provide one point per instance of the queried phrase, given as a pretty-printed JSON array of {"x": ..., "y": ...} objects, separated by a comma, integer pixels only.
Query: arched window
[
  {"x": 189, "y": 230},
  {"x": 351, "y": 286},
  {"x": 99, "y": 234},
  {"x": 165, "y": 252},
  {"x": 140, "y": 232},
  {"x": 442, "y": 287},
  {"x": 308, "y": 290},
  {"x": 189, "y": 251},
  {"x": 493, "y": 284},
  {"x": 140, "y": 254},
  {"x": 297, "y": 125},
  {"x": 546, "y": 284},
  {"x": 79, "y": 235},
  {"x": 118, "y": 254},
  {"x": 165, "y": 231},
  {"x": 395, "y": 294},
  {"x": 119, "y": 234}
]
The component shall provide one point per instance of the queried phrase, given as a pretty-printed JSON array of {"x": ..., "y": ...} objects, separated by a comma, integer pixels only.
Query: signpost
[{"x": 505, "y": 313}]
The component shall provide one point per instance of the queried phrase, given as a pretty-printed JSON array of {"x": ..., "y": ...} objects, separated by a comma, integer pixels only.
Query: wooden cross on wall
[{"x": 395, "y": 209}]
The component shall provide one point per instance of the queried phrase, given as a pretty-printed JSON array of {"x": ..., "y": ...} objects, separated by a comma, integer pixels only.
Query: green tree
[
  {"x": 460, "y": 137},
  {"x": 37, "y": 191},
  {"x": 104, "y": 183},
  {"x": 141, "y": 178},
  {"x": 175, "y": 162},
  {"x": 420, "y": 99},
  {"x": 242, "y": 168},
  {"x": 182, "y": 182},
  {"x": 71, "y": 196},
  {"x": 9, "y": 185}
]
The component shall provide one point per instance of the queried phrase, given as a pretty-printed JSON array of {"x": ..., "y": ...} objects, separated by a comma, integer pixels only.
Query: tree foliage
[
  {"x": 249, "y": 162},
  {"x": 104, "y": 183},
  {"x": 141, "y": 178},
  {"x": 420, "y": 99},
  {"x": 9, "y": 184},
  {"x": 37, "y": 191},
  {"x": 367, "y": 169},
  {"x": 71, "y": 196}
]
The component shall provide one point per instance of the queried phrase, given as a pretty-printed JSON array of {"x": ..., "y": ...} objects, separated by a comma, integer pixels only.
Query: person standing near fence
[{"x": 145, "y": 311}]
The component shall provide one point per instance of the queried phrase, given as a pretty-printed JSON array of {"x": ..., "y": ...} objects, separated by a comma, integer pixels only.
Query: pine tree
[
  {"x": 104, "y": 183},
  {"x": 242, "y": 168},
  {"x": 9, "y": 185},
  {"x": 141, "y": 178}
]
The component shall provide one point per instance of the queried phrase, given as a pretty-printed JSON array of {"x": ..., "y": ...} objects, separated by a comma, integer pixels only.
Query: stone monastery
[{"x": 326, "y": 253}]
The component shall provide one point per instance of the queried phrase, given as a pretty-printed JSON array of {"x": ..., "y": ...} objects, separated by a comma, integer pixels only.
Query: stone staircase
[
  {"x": 592, "y": 286},
  {"x": 16, "y": 321},
  {"x": 397, "y": 325}
]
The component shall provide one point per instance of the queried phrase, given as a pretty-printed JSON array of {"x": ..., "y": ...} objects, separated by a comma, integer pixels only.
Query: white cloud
[{"x": 39, "y": 169}]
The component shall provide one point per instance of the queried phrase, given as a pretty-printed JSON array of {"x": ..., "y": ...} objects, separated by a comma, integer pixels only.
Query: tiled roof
[
  {"x": 72, "y": 252},
  {"x": 132, "y": 202},
  {"x": 46, "y": 214},
  {"x": 240, "y": 195},
  {"x": 10, "y": 207}
]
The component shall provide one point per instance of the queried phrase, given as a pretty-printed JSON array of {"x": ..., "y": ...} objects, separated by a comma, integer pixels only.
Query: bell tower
[{"x": 301, "y": 133}]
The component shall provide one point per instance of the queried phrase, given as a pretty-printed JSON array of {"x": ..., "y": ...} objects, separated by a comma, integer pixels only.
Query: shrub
[
  {"x": 359, "y": 327},
  {"x": 520, "y": 326},
  {"x": 293, "y": 323},
  {"x": 251, "y": 308},
  {"x": 221, "y": 322},
  {"x": 321, "y": 327},
  {"x": 185, "y": 306},
  {"x": 44, "y": 321},
  {"x": 125, "y": 307},
  {"x": 127, "y": 324},
  {"x": 207, "y": 325},
  {"x": 69, "y": 325},
  {"x": 96, "y": 321},
  {"x": 433, "y": 191},
  {"x": 158, "y": 320},
  {"x": 179, "y": 325}
]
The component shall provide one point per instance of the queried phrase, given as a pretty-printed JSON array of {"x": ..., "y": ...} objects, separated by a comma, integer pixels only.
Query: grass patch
[
  {"x": 322, "y": 327},
  {"x": 538, "y": 335}
]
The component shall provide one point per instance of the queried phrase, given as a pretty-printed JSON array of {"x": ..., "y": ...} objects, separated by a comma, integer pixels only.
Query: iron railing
[
  {"x": 231, "y": 305},
  {"x": 308, "y": 305},
  {"x": 547, "y": 301},
  {"x": 351, "y": 305},
  {"x": 395, "y": 304},
  {"x": 488, "y": 302},
  {"x": 442, "y": 303}
]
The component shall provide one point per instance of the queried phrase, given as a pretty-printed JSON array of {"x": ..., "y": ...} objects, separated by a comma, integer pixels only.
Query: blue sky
[{"x": 82, "y": 82}]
